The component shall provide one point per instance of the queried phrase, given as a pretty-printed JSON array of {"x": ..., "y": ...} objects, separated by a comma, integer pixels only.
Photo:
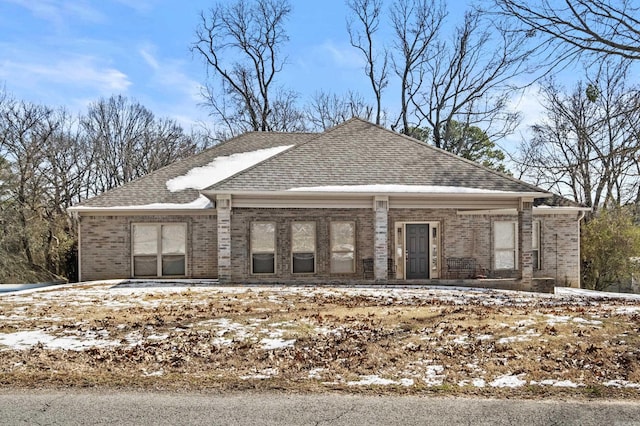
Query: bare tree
[
  {"x": 610, "y": 27},
  {"x": 127, "y": 142},
  {"x": 362, "y": 27},
  {"x": 587, "y": 146},
  {"x": 328, "y": 110},
  {"x": 416, "y": 25},
  {"x": 26, "y": 134},
  {"x": 240, "y": 43},
  {"x": 470, "y": 80}
]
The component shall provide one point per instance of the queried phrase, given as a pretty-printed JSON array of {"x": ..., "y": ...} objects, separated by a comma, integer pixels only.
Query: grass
[{"x": 423, "y": 341}]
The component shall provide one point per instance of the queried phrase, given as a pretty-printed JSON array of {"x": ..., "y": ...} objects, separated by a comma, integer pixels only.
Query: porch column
[
  {"x": 223, "y": 206},
  {"x": 381, "y": 250},
  {"x": 525, "y": 256}
]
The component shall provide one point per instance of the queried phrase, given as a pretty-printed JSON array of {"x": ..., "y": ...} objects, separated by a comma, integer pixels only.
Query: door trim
[{"x": 400, "y": 238}]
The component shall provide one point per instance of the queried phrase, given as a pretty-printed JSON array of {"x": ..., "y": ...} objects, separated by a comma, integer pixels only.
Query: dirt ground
[{"x": 317, "y": 339}]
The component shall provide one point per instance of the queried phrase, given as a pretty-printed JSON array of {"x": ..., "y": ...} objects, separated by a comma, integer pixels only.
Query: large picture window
[
  {"x": 303, "y": 247},
  {"x": 263, "y": 247},
  {"x": 343, "y": 247},
  {"x": 159, "y": 250},
  {"x": 505, "y": 245}
]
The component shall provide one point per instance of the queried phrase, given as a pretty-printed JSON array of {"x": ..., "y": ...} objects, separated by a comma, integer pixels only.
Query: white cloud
[
  {"x": 77, "y": 71},
  {"x": 59, "y": 12}
]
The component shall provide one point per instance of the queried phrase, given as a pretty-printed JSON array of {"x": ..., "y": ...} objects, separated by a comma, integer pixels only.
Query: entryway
[
  {"x": 417, "y": 250},
  {"x": 417, "y": 259}
]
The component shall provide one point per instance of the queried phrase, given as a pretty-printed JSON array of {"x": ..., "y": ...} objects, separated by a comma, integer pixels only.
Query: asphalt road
[{"x": 98, "y": 408}]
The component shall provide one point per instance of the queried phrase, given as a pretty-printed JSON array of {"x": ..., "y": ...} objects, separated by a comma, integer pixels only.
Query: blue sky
[{"x": 72, "y": 52}]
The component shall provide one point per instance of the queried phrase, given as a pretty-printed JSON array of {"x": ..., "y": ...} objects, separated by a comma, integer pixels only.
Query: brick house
[{"x": 357, "y": 203}]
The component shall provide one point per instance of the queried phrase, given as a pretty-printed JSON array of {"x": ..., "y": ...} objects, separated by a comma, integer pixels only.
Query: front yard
[{"x": 317, "y": 339}]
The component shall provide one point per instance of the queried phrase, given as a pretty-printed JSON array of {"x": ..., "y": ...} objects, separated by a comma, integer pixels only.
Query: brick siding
[
  {"x": 106, "y": 242},
  {"x": 106, "y": 245}
]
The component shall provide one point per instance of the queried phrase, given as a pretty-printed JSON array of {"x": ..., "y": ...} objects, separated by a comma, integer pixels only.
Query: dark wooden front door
[{"x": 417, "y": 252}]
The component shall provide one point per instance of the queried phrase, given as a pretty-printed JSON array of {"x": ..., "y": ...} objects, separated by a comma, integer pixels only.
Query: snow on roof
[
  {"x": 201, "y": 202},
  {"x": 221, "y": 168},
  {"x": 381, "y": 188}
]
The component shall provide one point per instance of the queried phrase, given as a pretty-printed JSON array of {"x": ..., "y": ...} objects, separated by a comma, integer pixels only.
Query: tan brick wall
[
  {"x": 105, "y": 245},
  {"x": 472, "y": 236},
  {"x": 241, "y": 219},
  {"x": 106, "y": 242}
]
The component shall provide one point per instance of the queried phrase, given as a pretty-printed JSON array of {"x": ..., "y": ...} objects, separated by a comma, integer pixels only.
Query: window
[
  {"x": 343, "y": 245},
  {"x": 303, "y": 247},
  {"x": 263, "y": 248},
  {"x": 535, "y": 245},
  {"x": 159, "y": 250},
  {"x": 505, "y": 245}
]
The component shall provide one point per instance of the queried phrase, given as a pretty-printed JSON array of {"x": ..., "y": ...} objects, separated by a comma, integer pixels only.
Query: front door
[{"x": 417, "y": 252}]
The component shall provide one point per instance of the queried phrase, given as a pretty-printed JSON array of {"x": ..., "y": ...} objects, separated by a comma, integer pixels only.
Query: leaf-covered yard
[{"x": 315, "y": 339}]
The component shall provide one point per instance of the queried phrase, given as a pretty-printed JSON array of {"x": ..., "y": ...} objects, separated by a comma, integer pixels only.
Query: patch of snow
[
  {"x": 585, "y": 321},
  {"x": 434, "y": 376},
  {"x": 508, "y": 381},
  {"x": 557, "y": 319},
  {"x": 199, "y": 203},
  {"x": 622, "y": 384},
  {"x": 478, "y": 383},
  {"x": 569, "y": 291},
  {"x": 381, "y": 188},
  {"x": 518, "y": 338},
  {"x": 22, "y": 340},
  {"x": 221, "y": 168},
  {"x": 315, "y": 373},
  {"x": 379, "y": 381},
  {"x": 628, "y": 310},
  {"x": 556, "y": 383},
  {"x": 269, "y": 344},
  {"x": 152, "y": 373}
]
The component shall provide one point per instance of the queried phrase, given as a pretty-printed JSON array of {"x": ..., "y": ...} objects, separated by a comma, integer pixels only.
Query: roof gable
[{"x": 358, "y": 153}]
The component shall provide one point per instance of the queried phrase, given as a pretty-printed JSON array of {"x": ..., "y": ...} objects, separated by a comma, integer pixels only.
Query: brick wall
[
  {"x": 472, "y": 236},
  {"x": 106, "y": 245},
  {"x": 241, "y": 219},
  {"x": 106, "y": 242}
]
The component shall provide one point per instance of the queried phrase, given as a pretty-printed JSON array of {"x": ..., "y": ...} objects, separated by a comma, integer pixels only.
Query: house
[{"x": 356, "y": 203}]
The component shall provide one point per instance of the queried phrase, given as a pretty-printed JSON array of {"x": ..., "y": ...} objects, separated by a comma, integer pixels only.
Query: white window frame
[
  {"x": 254, "y": 251},
  {"x": 513, "y": 250},
  {"x": 332, "y": 252},
  {"x": 294, "y": 251},
  {"x": 159, "y": 252}
]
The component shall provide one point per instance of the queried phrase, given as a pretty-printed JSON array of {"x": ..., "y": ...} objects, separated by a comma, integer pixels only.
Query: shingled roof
[
  {"x": 361, "y": 153},
  {"x": 152, "y": 188},
  {"x": 355, "y": 154}
]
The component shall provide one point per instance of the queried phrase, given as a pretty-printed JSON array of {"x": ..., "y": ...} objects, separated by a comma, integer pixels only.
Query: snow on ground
[
  {"x": 269, "y": 335},
  {"x": 22, "y": 340},
  {"x": 508, "y": 381},
  {"x": 568, "y": 291}
]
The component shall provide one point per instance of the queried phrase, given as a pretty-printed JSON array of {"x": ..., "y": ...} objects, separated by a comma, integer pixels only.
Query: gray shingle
[
  {"x": 361, "y": 153},
  {"x": 152, "y": 187}
]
